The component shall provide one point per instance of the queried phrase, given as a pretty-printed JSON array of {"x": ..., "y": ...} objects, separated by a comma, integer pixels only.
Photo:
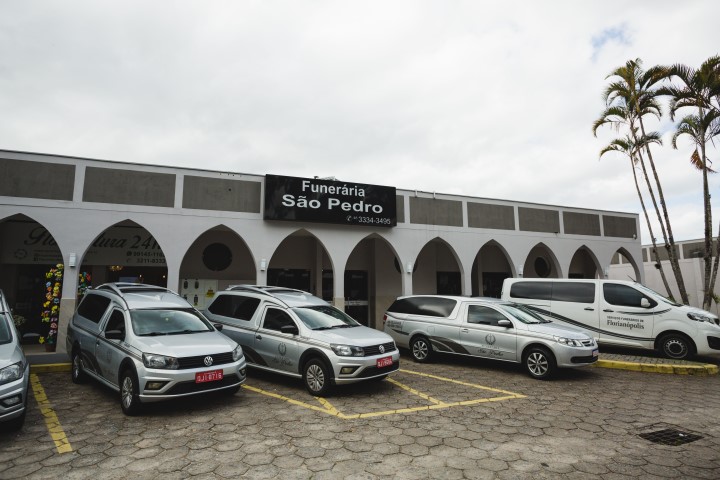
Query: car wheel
[
  {"x": 421, "y": 349},
  {"x": 129, "y": 395},
  {"x": 676, "y": 346},
  {"x": 78, "y": 375},
  {"x": 317, "y": 377},
  {"x": 540, "y": 363}
]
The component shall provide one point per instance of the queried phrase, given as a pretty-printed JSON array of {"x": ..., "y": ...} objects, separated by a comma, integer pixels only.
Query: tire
[
  {"x": 676, "y": 346},
  {"x": 539, "y": 363},
  {"x": 129, "y": 394},
  {"x": 77, "y": 372},
  {"x": 421, "y": 349},
  {"x": 317, "y": 378}
]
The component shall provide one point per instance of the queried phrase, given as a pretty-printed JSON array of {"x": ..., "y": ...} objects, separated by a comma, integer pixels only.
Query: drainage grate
[{"x": 668, "y": 435}]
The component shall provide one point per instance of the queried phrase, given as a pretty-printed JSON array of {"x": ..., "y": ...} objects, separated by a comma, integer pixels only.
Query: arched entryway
[
  {"x": 541, "y": 263},
  {"x": 491, "y": 266},
  {"x": 373, "y": 280},
  {"x": 219, "y": 257},
  {"x": 584, "y": 264},
  {"x": 31, "y": 278},
  {"x": 301, "y": 261},
  {"x": 437, "y": 270}
]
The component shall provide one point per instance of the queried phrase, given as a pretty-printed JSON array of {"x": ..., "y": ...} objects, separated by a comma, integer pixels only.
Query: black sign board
[{"x": 329, "y": 201}]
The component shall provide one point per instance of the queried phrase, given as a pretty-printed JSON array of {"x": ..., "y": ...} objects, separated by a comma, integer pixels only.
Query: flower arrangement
[
  {"x": 84, "y": 282},
  {"x": 18, "y": 320},
  {"x": 51, "y": 305}
]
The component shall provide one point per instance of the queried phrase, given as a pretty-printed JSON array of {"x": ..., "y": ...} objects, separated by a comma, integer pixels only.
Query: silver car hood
[
  {"x": 188, "y": 345},
  {"x": 358, "y": 336},
  {"x": 10, "y": 353},
  {"x": 557, "y": 330}
]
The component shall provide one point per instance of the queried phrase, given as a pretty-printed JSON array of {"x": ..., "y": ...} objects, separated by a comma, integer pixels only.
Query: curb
[
  {"x": 50, "y": 368},
  {"x": 701, "y": 369}
]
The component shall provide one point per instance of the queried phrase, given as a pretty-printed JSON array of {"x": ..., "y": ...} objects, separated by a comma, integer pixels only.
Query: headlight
[
  {"x": 571, "y": 342},
  {"x": 347, "y": 351},
  {"x": 237, "y": 353},
  {"x": 11, "y": 373},
  {"x": 150, "y": 360},
  {"x": 701, "y": 317}
]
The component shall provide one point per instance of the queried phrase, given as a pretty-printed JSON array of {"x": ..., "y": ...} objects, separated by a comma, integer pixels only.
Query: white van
[{"x": 623, "y": 313}]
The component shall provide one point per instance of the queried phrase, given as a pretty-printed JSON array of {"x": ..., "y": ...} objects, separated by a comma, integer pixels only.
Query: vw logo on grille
[
  {"x": 382, "y": 349},
  {"x": 208, "y": 361}
]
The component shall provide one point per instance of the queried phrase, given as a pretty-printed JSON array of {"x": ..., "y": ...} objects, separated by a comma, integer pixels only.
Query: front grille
[
  {"x": 373, "y": 371},
  {"x": 588, "y": 343},
  {"x": 199, "y": 361},
  {"x": 587, "y": 359},
  {"x": 192, "y": 387},
  {"x": 375, "y": 349}
]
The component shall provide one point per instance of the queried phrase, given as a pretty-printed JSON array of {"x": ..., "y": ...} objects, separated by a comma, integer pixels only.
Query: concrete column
[{"x": 339, "y": 289}]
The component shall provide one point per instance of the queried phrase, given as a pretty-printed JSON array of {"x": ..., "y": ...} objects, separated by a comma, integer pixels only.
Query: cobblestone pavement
[{"x": 455, "y": 418}]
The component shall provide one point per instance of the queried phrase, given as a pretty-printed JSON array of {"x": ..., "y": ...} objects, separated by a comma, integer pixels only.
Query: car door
[
  {"x": 627, "y": 316},
  {"x": 575, "y": 304},
  {"x": 277, "y": 349},
  {"x": 481, "y": 335},
  {"x": 108, "y": 352}
]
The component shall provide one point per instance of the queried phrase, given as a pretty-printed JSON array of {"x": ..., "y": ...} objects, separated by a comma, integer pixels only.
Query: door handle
[
  {"x": 607, "y": 310},
  {"x": 258, "y": 337},
  {"x": 464, "y": 330},
  {"x": 589, "y": 309}
]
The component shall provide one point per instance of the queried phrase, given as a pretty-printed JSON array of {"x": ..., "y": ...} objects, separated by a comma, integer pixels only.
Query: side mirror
[
  {"x": 505, "y": 323},
  {"x": 644, "y": 303},
  {"x": 291, "y": 329},
  {"x": 114, "y": 335},
  {"x": 218, "y": 326}
]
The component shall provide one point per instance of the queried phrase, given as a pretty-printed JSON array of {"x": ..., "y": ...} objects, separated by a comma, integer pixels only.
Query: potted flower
[{"x": 51, "y": 307}]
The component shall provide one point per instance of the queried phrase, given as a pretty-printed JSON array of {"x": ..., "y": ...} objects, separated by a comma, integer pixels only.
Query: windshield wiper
[
  {"x": 180, "y": 332},
  {"x": 153, "y": 334}
]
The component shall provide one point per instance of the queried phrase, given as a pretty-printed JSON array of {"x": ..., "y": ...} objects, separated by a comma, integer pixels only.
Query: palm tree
[
  {"x": 629, "y": 98},
  {"x": 630, "y": 148},
  {"x": 700, "y": 87}
]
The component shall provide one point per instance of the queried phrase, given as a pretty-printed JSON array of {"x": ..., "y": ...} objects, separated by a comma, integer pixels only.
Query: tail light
[{"x": 384, "y": 319}]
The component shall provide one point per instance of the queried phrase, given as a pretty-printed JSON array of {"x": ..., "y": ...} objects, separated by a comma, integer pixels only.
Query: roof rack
[
  {"x": 4, "y": 307},
  {"x": 121, "y": 288},
  {"x": 262, "y": 290}
]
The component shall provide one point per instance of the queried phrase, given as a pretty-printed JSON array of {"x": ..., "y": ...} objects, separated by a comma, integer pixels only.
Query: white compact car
[
  {"x": 150, "y": 344},
  {"x": 486, "y": 328}
]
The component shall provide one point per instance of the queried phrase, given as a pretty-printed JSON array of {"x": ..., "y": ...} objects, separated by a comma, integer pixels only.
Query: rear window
[
  {"x": 93, "y": 307},
  {"x": 429, "y": 306},
  {"x": 234, "y": 306},
  {"x": 532, "y": 290}
]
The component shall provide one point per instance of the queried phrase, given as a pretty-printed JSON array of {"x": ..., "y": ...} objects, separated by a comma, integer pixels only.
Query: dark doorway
[
  {"x": 290, "y": 277},
  {"x": 448, "y": 283},
  {"x": 356, "y": 295},
  {"x": 492, "y": 283}
]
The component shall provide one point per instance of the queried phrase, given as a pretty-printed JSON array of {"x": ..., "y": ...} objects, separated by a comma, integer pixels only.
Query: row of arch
[{"x": 322, "y": 261}]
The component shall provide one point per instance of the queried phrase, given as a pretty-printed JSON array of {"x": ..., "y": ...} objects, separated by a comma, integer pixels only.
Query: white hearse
[
  {"x": 486, "y": 328},
  {"x": 622, "y": 313}
]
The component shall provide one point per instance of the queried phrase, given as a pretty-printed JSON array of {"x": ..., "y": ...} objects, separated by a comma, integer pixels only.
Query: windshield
[
  {"x": 522, "y": 313},
  {"x": 168, "y": 322},
  {"x": 324, "y": 317},
  {"x": 655, "y": 295}
]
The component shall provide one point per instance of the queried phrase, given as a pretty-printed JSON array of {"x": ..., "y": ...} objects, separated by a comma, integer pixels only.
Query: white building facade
[{"x": 196, "y": 231}]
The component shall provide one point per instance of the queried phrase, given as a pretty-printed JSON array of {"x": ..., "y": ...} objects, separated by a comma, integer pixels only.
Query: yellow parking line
[
  {"x": 436, "y": 404},
  {"x": 51, "y": 420},
  {"x": 480, "y": 387},
  {"x": 415, "y": 392}
]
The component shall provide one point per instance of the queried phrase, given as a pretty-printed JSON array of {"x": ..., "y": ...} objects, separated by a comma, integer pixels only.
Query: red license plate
[
  {"x": 212, "y": 376},
  {"x": 384, "y": 362}
]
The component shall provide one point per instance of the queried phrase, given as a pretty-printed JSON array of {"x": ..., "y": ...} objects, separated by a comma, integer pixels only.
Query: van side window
[
  {"x": 532, "y": 290},
  {"x": 116, "y": 321},
  {"x": 484, "y": 315},
  {"x": 624, "y": 296},
  {"x": 275, "y": 319},
  {"x": 573, "y": 292},
  {"x": 429, "y": 306}
]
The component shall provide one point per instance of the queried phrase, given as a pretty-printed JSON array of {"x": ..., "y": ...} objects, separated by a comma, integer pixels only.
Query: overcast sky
[{"x": 487, "y": 99}]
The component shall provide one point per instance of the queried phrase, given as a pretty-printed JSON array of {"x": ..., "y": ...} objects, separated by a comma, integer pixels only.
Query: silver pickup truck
[{"x": 294, "y": 333}]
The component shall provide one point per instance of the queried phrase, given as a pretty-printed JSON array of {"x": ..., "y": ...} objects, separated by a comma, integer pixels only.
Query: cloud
[{"x": 617, "y": 34}]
